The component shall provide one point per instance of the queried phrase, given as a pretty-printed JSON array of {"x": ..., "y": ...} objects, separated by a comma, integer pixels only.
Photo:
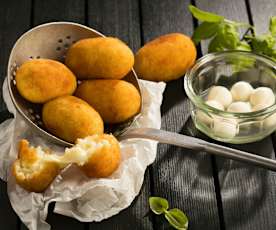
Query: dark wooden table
[{"x": 215, "y": 193}]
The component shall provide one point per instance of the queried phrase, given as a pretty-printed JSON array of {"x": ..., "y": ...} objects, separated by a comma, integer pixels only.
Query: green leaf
[
  {"x": 273, "y": 55},
  {"x": 158, "y": 205},
  {"x": 242, "y": 63},
  {"x": 215, "y": 45},
  {"x": 229, "y": 36},
  {"x": 244, "y": 46},
  {"x": 263, "y": 44},
  {"x": 177, "y": 219},
  {"x": 205, "y": 30},
  {"x": 272, "y": 25},
  {"x": 204, "y": 15}
]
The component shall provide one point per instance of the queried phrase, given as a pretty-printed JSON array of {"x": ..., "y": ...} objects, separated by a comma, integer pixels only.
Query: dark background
[{"x": 214, "y": 193}]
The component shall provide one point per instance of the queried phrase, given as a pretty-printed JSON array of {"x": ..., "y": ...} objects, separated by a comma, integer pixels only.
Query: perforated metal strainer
[{"x": 51, "y": 41}]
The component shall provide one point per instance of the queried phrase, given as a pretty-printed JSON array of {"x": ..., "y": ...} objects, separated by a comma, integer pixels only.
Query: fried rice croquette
[
  {"x": 98, "y": 156},
  {"x": 31, "y": 170},
  {"x": 40, "y": 80},
  {"x": 100, "y": 57},
  {"x": 103, "y": 157},
  {"x": 165, "y": 58},
  {"x": 115, "y": 100},
  {"x": 70, "y": 118}
]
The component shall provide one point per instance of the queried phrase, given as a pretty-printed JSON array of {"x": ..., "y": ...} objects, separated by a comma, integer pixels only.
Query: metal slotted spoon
[{"x": 51, "y": 41}]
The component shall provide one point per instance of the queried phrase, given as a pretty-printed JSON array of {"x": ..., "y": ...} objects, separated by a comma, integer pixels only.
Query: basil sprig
[
  {"x": 224, "y": 34},
  {"x": 175, "y": 216},
  {"x": 204, "y": 15}
]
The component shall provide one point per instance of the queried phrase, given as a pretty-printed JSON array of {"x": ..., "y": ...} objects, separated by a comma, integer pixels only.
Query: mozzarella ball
[
  {"x": 260, "y": 107},
  {"x": 241, "y": 91},
  {"x": 239, "y": 107},
  {"x": 215, "y": 104},
  {"x": 204, "y": 117},
  {"x": 270, "y": 122},
  {"x": 262, "y": 95},
  {"x": 225, "y": 128},
  {"x": 220, "y": 94}
]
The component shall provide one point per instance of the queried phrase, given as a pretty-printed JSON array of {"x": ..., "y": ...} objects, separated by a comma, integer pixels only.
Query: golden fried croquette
[
  {"x": 165, "y": 58},
  {"x": 97, "y": 156},
  {"x": 31, "y": 171},
  {"x": 115, "y": 100},
  {"x": 69, "y": 118},
  {"x": 101, "y": 57},
  {"x": 103, "y": 157},
  {"x": 40, "y": 80}
]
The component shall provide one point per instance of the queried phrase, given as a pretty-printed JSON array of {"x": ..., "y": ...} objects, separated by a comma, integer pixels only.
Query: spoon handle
[{"x": 200, "y": 145}]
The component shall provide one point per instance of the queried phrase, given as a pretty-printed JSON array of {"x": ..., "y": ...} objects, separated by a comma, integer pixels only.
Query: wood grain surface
[
  {"x": 260, "y": 12},
  {"x": 13, "y": 23},
  {"x": 15, "y": 20},
  {"x": 120, "y": 18},
  {"x": 184, "y": 177},
  {"x": 215, "y": 193}
]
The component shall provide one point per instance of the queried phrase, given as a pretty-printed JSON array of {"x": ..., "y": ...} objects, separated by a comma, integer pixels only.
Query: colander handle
[{"x": 199, "y": 145}]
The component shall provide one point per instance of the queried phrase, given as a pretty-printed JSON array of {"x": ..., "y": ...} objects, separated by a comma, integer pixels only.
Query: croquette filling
[
  {"x": 79, "y": 154},
  {"x": 82, "y": 151},
  {"x": 27, "y": 169}
]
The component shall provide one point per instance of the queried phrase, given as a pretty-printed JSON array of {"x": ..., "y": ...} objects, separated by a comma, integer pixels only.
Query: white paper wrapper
[{"x": 76, "y": 195}]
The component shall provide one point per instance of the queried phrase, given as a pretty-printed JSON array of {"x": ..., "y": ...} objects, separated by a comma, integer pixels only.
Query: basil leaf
[
  {"x": 257, "y": 45},
  {"x": 244, "y": 46},
  {"x": 215, "y": 45},
  {"x": 263, "y": 44},
  {"x": 205, "y": 30},
  {"x": 243, "y": 63},
  {"x": 272, "y": 25},
  {"x": 204, "y": 16},
  {"x": 177, "y": 219},
  {"x": 158, "y": 205},
  {"x": 273, "y": 55},
  {"x": 229, "y": 36}
]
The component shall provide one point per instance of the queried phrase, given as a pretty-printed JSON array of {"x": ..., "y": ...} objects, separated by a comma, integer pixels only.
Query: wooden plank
[
  {"x": 64, "y": 10},
  {"x": 248, "y": 193},
  {"x": 7, "y": 216},
  {"x": 261, "y": 12},
  {"x": 120, "y": 18},
  {"x": 182, "y": 176},
  {"x": 13, "y": 22}
]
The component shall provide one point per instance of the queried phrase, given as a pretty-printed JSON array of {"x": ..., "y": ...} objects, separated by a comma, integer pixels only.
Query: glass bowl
[{"x": 225, "y": 69}]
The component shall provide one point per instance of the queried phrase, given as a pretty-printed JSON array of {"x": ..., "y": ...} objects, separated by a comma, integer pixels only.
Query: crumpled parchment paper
[{"x": 76, "y": 195}]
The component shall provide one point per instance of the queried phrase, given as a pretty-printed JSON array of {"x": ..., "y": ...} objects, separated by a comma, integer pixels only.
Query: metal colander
[{"x": 51, "y": 41}]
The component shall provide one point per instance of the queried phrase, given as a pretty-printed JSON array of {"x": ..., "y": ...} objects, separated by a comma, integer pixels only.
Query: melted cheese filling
[
  {"x": 82, "y": 151},
  {"x": 79, "y": 154}
]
